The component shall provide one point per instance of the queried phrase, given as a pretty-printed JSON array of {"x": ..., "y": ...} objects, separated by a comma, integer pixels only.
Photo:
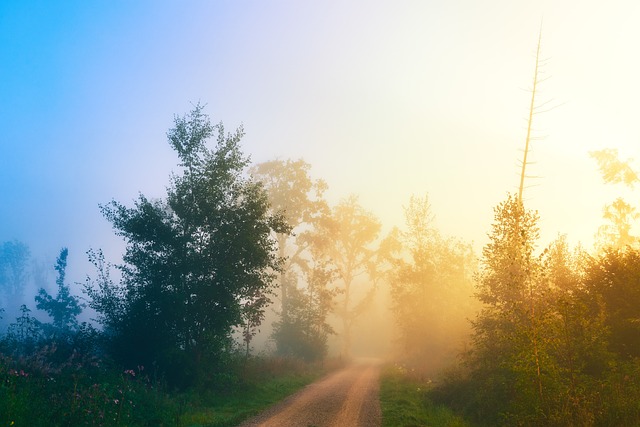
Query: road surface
[{"x": 347, "y": 398}]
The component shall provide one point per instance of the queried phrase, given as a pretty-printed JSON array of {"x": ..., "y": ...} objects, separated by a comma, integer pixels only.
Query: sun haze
[
  {"x": 383, "y": 99},
  {"x": 398, "y": 129}
]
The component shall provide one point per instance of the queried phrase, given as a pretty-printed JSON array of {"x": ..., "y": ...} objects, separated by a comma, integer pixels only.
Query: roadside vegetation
[
  {"x": 405, "y": 401},
  {"x": 171, "y": 341},
  {"x": 525, "y": 334},
  {"x": 553, "y": 336},
  {"x": 97, "y": 394}
]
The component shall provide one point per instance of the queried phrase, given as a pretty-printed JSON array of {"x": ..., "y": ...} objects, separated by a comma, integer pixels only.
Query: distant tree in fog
[
  {"x": 344, "y": 239},
  {"x": 14, "y": 274},
  {"x": 300, "y": 200},
  {"x": 616, "y": 232},
  {"x": 614, "y": 170},
  {"x": 305, "y": 330},
  {"x": 431, "y": 287},
  {"x": 620, "y": 216}
]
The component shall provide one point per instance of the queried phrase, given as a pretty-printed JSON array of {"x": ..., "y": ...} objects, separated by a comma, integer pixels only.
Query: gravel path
[{"x": 347, "y": 398}]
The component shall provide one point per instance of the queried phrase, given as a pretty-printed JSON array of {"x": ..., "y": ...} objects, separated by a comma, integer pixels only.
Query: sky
[{"x": 384, "y": 99}]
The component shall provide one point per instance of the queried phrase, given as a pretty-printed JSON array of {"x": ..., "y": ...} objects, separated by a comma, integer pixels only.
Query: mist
[{"x": 450, "y": 189}]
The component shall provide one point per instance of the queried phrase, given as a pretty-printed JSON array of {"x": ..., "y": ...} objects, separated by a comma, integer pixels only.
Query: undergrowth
[
  {"x": 405, "y": 401},
  {"x": 98, "y": 394}
]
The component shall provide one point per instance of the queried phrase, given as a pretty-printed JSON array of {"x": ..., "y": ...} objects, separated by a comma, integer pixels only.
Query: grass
[
  {"x": 110, "y": 397},
  {"x": 404, "y": 400},
  {"x": 263, "y": 390}
]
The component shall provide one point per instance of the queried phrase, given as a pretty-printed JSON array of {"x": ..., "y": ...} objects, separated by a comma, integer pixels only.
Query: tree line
[
  {"x": 553, "y": 333},
  {"x": 557, "y": 339},
  {"x": 229, "y": 241}
]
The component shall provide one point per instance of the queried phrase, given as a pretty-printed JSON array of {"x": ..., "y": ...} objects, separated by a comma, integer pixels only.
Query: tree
[
  {"x": 197, "y": 264},
  {"x": 104, "y": 296},
  {"x": 576, "y": 337},
  {"x": 431, "y": 287},
  {"x": 507, "y": 340},
  {"x": 64, "y": 308},
  {"x": 304, "y": 332},
  {"x": 534, "y": 109},
  {"x": 344, "y": 239},
  {"x": 614, "y": 277},
  {"x": 14, "y": 260},
  {"x": 620, "y": 217},
  {"x": 299, "y": 199},
  {"x": 24, "y": 334},
  {"x": 614, "y": 170},
  {"x": 525, "y": 154}
]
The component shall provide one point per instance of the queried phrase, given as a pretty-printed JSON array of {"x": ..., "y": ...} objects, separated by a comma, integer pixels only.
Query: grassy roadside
[
  {"x": 262, "y": 391},
  {"x": 109, "y": 397},
  {"x": 404, "y": 400},
  {"x": 263, "y": 382}
]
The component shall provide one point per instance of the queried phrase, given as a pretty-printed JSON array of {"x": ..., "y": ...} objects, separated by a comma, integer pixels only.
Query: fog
[{"x": 383, "y": 100}]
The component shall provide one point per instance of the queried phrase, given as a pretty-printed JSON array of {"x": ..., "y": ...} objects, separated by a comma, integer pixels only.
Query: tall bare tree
[{"x": 534, "y": 109}]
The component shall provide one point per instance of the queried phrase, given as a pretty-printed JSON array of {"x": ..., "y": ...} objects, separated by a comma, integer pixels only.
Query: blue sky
[
  {"x": 385, "y": 99},
  {"x": 89, "y": 90}
]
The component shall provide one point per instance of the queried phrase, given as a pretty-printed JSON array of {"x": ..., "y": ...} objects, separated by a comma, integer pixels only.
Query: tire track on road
[{"x": 348, "y": 397}]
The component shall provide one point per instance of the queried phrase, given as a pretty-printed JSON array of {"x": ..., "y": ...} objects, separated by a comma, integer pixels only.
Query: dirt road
[{"x": 347, "y": 398}]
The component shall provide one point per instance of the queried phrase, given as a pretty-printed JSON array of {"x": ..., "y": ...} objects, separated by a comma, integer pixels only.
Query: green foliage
[
  {"x": 36, "y": 393},
  {"x": 197, "y": 264},
  {"x": 508, "y": 263},
  {"x": 95, "y": 393},
  {"x": 105, "y": 297},
  {"x": 64, "y": 308},
  {"x": 304, "y": 330},
  {"x": 264, "y": 383},
  {"x": 24, "y": 334},
  {"x": 405, "y": 401},
  {"x": 509, "y": 349},
  {"x": 614, "y": 280},
  {"x": 556, "y": 343}
]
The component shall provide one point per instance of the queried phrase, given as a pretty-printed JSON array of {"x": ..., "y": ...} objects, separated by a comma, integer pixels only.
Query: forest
[{"x": 245, "y": 270}]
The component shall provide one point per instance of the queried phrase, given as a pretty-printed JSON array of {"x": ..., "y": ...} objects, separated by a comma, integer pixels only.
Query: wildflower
[{"x": 116, "y": 401}]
